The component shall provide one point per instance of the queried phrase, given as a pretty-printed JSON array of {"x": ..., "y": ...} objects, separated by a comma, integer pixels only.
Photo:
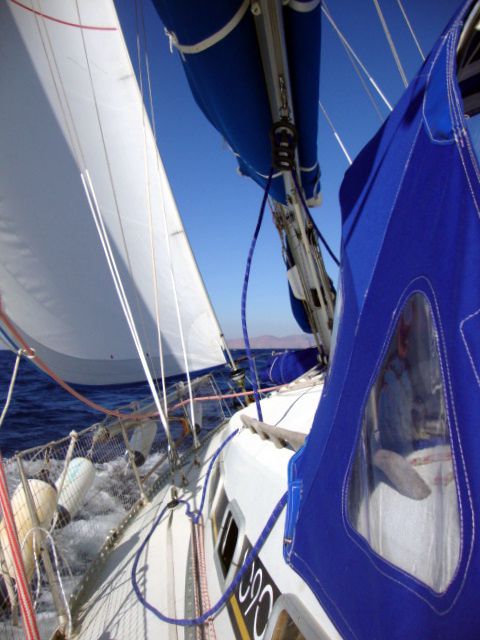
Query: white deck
[{"x": 254, "y": 477}]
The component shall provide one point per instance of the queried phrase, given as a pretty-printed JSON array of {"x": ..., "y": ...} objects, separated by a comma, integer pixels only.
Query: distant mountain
[{"x": 273, "y": 342}]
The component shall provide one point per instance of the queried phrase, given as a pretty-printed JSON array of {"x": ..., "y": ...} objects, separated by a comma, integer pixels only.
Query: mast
[{"x": 307, "y": 275}]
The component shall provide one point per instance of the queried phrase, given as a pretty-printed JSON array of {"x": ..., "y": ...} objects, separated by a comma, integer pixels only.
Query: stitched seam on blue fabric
[
  {"x": 387, "y": 226},
  {"x": 462, "y": 135},
  {"x": 349, "y": 528},
  {"x": 470, "y": 357},
  {"x": 427, "y": 83},
  {"x": 457, "y": 112},
  {"x": 470, "y": 186},
  {"x": 456, "y": 432},
  {"x": 315, "y": 580},
  {"x": 459, "y": 146},
  {"x": 347, "y": 368}
]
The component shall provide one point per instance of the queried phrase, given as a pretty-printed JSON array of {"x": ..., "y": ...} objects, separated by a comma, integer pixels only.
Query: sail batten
[{"x": 72, "y": 104}]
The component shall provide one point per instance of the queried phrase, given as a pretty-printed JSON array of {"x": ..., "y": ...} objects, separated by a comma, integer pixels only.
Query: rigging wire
[
  {"x": 150, "y": 217},
  {"x": 167, "y": 235},
  {"x": 113, "y": 188},
  {"x": 364, "y": 84},
  {"x": 335, "y": 133},
  {"x": 102, "y": 232},
  {"x": 405, "y": 16},
  {"x": 64, "y": 104},
  {"x": 355, "y": 56},
  {"x": 391, "y": 44}
]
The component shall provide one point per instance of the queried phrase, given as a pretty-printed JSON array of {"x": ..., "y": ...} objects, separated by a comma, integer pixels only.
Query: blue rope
[
  {"x": 244, "y": 297},
  {"x": 196, "y": 518},
  {"x": 191, "y": 622},
  {"x": 309, "y": 216}
]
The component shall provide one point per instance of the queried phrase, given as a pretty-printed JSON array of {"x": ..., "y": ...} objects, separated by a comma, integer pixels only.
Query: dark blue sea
[{"x": 41, "y": 411}]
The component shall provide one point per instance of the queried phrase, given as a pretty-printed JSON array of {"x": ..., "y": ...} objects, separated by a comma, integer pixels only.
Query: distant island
[{"x": 273, "y": 342}]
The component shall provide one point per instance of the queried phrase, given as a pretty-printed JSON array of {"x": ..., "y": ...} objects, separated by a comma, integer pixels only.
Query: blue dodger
[{"x": 411, "y": 225}]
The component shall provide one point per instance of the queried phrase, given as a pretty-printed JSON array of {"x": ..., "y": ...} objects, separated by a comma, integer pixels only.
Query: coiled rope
[{"x": 252, "y": 554}]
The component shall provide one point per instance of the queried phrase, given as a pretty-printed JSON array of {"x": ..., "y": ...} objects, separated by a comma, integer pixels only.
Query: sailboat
[{"x": 340, "y": 504}]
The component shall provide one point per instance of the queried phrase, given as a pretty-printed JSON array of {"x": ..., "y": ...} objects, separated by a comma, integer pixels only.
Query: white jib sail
[{"x": 70, "y": 104}]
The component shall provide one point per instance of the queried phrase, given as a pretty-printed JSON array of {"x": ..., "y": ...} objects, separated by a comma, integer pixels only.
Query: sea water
[{"x": 41, "y": 411}]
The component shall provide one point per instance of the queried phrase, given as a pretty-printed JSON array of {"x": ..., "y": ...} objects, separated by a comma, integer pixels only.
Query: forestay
[
  {"x": 383, "y": 496},
  {"x": 71, "y": 108}
]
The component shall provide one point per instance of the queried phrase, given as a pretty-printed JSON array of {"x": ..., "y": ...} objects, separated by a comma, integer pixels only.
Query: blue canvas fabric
[
  {"x": 285, "y": 367},
  {"x": 411, "y": 223},
  {"x": 227, "y": 81},
  {"x": 299, "y": 312}
]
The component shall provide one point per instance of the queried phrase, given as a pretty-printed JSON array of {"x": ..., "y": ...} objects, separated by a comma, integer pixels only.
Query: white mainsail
[{"x": 71, "y": 107}]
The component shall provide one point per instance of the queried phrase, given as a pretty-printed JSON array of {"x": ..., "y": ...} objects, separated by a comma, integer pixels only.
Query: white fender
[
  {"x": 142, "y": 440},
  {"x": 78, "y": 480},
  {"x": 45, "y": 500}
]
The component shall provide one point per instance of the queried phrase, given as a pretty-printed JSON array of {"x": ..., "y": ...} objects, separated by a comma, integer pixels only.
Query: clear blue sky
[{"x": 219, "y": 208}]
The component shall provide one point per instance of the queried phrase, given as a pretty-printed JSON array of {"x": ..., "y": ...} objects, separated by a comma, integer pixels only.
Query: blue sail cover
[
  {"x": 221, "y": 57},
  {"x": 411, "y": 231}
]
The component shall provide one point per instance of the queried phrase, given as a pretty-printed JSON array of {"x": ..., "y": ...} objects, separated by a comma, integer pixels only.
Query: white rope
[
  {"x": 71, "y": 128},
  {"x": 365, "y": 86},
  {"x": 111, "y": 178},
  {"x": 97, "y": 216},
  {"x": 11, "y": 386},
  {"x": 355, "y": 56},
  {"x": 148, "y": 187},
  {"x": 303, "y": 7},
  {"x": 10, "y": 587},
  {"x": 33, "y": 530},
  {"x": 391, "y": 44},
  {"x": 335, "y": 133},
  {"x": 170, "y": 265},
  {"x": 404, "y": 13},
  {"x": 215, "y": 38}
]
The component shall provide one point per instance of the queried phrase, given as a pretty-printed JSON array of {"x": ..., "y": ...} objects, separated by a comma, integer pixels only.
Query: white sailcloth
[{"x": 70, "y": 104}]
